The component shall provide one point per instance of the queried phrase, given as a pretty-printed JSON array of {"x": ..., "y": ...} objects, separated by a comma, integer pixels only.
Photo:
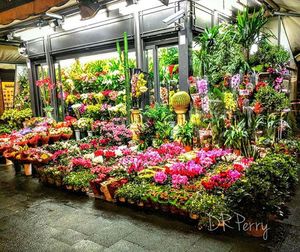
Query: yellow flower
[{"x": 143, "y": 89}]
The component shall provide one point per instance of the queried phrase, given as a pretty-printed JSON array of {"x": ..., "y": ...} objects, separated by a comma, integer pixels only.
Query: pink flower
[
  {"x": 160, "y": 177},
  {"x": 178, "y": 180}
]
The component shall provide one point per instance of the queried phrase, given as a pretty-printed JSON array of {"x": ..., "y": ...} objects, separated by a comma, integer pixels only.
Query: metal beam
[
  {"x": 138, "y": 40},
  {"x": 185, "y": 35},
  {"x": 287, "y": 14},
  {"x": 51, "y": 72}
]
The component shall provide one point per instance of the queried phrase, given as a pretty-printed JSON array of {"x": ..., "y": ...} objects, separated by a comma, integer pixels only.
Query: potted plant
[
  {"x": 265, "y": 190},
  {"x": 185, "y": 135},
  {"x": 66, "y": 133}
]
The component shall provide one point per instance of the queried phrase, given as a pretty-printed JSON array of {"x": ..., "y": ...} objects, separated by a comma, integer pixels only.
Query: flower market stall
[{"x": 226, "y": 146}]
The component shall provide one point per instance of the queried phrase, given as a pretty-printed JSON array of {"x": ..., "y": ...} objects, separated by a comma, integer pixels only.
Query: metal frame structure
[{"x": 145, "y": 29}]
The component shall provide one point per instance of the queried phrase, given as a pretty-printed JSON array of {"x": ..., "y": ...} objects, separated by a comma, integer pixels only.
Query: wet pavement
[{"x": 34, "y": 217}]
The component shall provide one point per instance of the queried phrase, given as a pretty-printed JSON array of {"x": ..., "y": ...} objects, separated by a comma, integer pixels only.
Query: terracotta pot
[
  {"x": 54, "y": 138},
  {"x": 66, "y": 136},
  {"x": 69, "y": 187},
  {"x": 140, "y": 204},
  {"x": 188, "y": 148},
  {"x": 28, "y": 169},
  {"x": 130, "y": 201},
  {"x": 256, "y": 230},
  {"x": 122, "y": 199},
  {"x": 194, "y": 216},
  {"x": 237, "y": 152}
]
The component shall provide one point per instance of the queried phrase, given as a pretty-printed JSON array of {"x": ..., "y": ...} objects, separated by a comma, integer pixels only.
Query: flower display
[
  {"x": 138, "y": 85},
  {"x": 202, "y": 86},
  {"x": 160, "y": 177}
]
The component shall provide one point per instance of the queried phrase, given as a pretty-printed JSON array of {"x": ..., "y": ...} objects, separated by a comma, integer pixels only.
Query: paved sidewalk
[{"x": 38, "y": 218}]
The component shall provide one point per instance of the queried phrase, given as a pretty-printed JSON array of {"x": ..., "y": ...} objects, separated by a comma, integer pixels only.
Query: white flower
[
  {"x": 89, "y": 156},
  {"x": 118, "y": 153},
  {"x": 98, "y": 160}
]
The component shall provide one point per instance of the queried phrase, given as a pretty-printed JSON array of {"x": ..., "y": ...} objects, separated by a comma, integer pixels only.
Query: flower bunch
[
  {"x": 202, "y": 86},
  {"x": 78, "y": 163},
  {"x": 160, "y": 177},
  {"x": 178, "y": 180},
  {"x": 138, "y": 85},
  {"x": 222, "y": 180},
  {"x": 235, "y": 81},
  {"x": 230, "y": 103},
  {"x": 190, "y": 169}
]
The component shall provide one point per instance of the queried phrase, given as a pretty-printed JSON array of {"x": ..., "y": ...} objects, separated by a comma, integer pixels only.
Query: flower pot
[
  {"x": 28, "y": 169},
  {"x": 256, "y": 230},
  {"x": 90, "y": 133},
  {"x": 130, "y": 201},
  {"x": 54, "y": 138},
  {"x": 51, "y": 181},
  {"x": 69, "y": 187},
  {"x": 164, "y": 208},
  {"x": 237, "y": 152},
  {"x": 188, "y": 148},
  {"x": 66, "y": 136},
  {"x": 141, "y": 204},
  {"x": 77, "y": 135},
  {"x": 122, "y": 199},
  {"x": 44, "y": 140},
  {"x": 194, "y": 216},
  {"x": 58, "y": 183}
]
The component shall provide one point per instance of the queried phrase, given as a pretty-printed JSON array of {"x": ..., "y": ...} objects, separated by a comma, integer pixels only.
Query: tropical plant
[
  {"x": 237, "y": 136},
  {"x": 185, "y": 134},
  {"x": 249, "y": 28}
]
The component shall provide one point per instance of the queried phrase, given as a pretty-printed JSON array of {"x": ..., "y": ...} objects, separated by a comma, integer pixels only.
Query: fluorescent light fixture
[{"x": 54, "y": 15}]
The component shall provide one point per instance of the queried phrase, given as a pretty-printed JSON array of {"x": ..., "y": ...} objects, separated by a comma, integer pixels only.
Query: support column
[
  {"x": 51, "y": 71},
  {"x": 185, "y": 44},
  {"x": 34, "y": 92},
  {"x": 138, "y": 40}
]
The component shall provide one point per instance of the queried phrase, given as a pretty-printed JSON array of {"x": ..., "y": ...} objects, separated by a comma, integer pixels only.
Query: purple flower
[
  {"x": 202, "y": 86},
  {"x": 160, "y": 177},
  {"x": 234, "y": 174},
  {"x": 178, "y": 180},
  {"x": 235, "y": 81},
  {"x": 25, "y": 131}
]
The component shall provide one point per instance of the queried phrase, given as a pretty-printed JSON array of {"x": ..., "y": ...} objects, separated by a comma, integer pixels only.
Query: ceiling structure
[{"x": 289, "y": 11}]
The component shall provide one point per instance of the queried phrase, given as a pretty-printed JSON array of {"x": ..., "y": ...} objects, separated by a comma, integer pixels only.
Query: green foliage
[
  {"x": 13, "y": 118},
  {"x": 22, "y": 99},
  {"x": 248, "y": 28},
  {"x": 269, "y": 55},
  {"x": 185, "y": 133},
  {"x": 271, "y": 100},
  {"x": 133, "y": 191},
  {"x": 79, "y": 179},
  {"x": 266, "y": 187},
  {"x": 205, "y": 205},
  {"x": 236, "y": 136},
  {"x": 219, "y": 53},
  {"x": 159, "y": 113}
]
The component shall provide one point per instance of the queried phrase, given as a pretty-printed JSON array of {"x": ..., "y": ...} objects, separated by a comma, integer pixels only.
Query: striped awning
[{"x": 22, "y": 9}]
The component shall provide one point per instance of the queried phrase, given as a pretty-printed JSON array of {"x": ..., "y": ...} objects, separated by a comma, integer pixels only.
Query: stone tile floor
[{"x": 38, "y": 218}]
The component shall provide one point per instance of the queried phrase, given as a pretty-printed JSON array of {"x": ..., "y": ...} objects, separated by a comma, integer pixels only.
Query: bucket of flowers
[
  {"x": 66, "y": 133},
  {"x": 54, "y": 135}
]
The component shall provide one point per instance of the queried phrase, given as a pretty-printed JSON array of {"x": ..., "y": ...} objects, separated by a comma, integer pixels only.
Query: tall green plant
[{"x": 248, "y": 28}]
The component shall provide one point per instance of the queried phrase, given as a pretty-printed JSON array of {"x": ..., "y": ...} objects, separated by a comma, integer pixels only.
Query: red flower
[
  {"x": 257, "y": 109},
  {"x": 99, "y": 153},
  {"x": 106, "y": 92},
  {"x": 259, "y": 85},
  {"x": 238, "y": 167},
  {"x": 109, "y": 154}
]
